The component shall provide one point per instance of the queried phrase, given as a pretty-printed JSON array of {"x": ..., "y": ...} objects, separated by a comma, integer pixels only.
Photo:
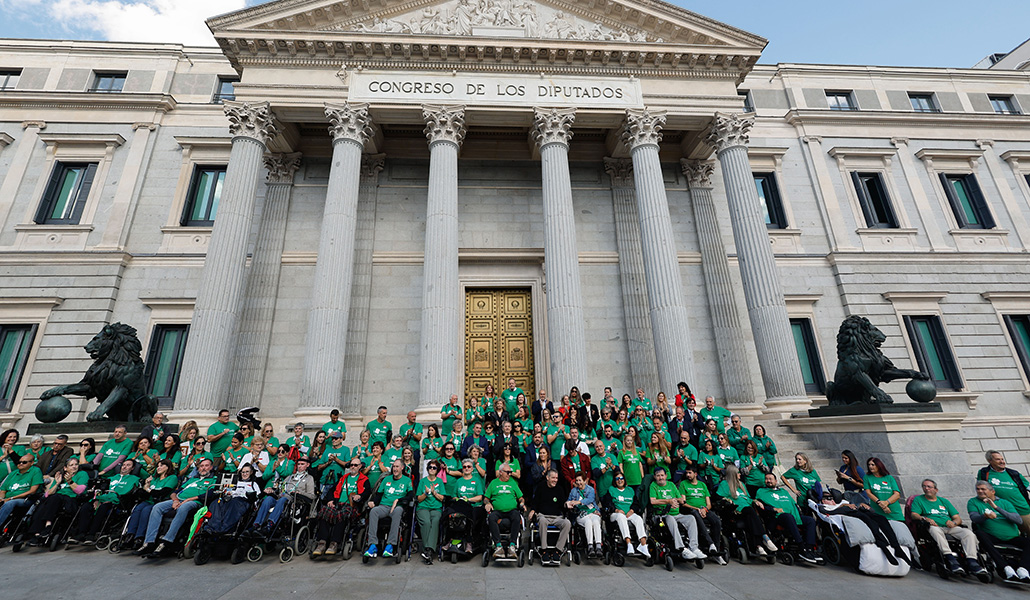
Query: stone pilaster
[
  {"x": 211, "y": 347},
  {"x": 248, "y": 376},
  {"x": 727, "y": 327},
  {"x": 643, "y": 367},
  {"x": 767, "y": 311},
  {"x": 670, "y": 324},
  {"x": 552, "y": 132},
  {"x": 440, "y": 347},
  {"x": 325, "y": 350}
]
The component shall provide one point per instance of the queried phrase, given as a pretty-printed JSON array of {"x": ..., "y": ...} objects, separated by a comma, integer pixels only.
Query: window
[
  {"x": 841, "y": 101},
  {"x": 1003, "y": 105},
  {"x": 15, "y": 343},
  {"x": 108, "y": 83},
  {"x": 876, "y": 204},
  {"x": 205, "y": 192},
  {"x": 769, "y": 196},
  {"x": 9, "y": 78},
  {"x": 225, "y": 90},
  {"x": 164, "y": 362},
  {"x": 749, "y": 103},
  {"x": 66, "y": 193},
  {"x": 808, "y": 356},
  {"x": 923, "y": 103},
  {"x": 933, "y": 355},
  {"x": 1019, "y": 329},
  {"x": 967, "y": 202}
]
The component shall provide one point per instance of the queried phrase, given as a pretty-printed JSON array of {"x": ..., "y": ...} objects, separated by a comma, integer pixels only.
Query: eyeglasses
[
  {"x": 432, "y": 468},
  {"x": 466, "y": 466},
  {"x": 620, "y": 479},
  {"x": 84, "y": 445},
  {"x": 24, "y": 462},
  {"x": 355, "y": 465}
]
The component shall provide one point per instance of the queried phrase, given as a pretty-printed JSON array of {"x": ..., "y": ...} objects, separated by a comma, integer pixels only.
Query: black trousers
[
  {"x": 48, "y": 509},
  {"x": 331, "y": 532},
  {"x": 494, "y": 522},
  {"x": 752, "y": 522},
  {"x": 709, "y": 528},
  {"x": 987, "y": 542}
]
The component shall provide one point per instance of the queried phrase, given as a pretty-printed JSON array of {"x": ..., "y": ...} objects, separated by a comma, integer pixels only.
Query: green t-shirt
[
  {"x": 332, "y": 472},
  {"x": 510, "y": 398},
  {"x": 1001, "y": 528},
  {"x": 448, "y": 414},
  {"x": 612, "y": 446},
  {"x": 232, "y": 457},
  {"x": 65, "y": 489},
  {"x": 221, "y": 444},
  {"x": 728, "y": 455},
  {"x": 644, "y": 402},
  {"x": 377, "y": 431},
  {"x": 781, "y": 499},
  {"x": 415, "y": 429},
  {"x": 709, "y": 462},
  {"x": 683, "y": 455},
  {"x": 718, "y": 413},
  {"x": 606, "y": 464},
  {"x": 349, "y": 487},
  {"x": 394, "y": 489},
  {"x": 738, "y": 438},
  {"x": 665, "y": 492},
  {"x": 19, "y": 483},
  {"x": 767, "y": 448},
  {"x": 118, "y": 487},
  {"x": 196, "y": 487},
  {"x": 753, "y": 464},
  {"x": 166, "y": 483},
  {"x": 427, "y": 487},
  {"x": 622, "y": 499},
  {"x": 559, "y": 440},
  {"x": 503, "y": 495},
  {"x": 35, "y": 454},
  {"x": 330, "y": 427},
  {"x": 142, "y": 464},
  {"x": 696, "y": 494},
  {"x": 111, "y": 450},
  {"x": 882, "y": 488},
  {"x": 939, "y": 511},
  {"x": 659, "y": 460},
  {"x": 431, "y": 447},
  {"x": 451, "y": 464},
  {"x": 283, "y": 469},
  {"x": 803, "y": 481},
  {"x": 1005, "y": 488},
  {"x": 743, "y": 499},
  {"x": 391, "y": 454},
  {"x": 374, "y": 472},
  {"x": 630, "y": 463},
  {"x": 468, "y": 488}
]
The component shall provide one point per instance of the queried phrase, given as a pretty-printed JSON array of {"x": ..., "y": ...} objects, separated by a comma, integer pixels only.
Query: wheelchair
[
  {"x": 462, "y": 534},
  {"x": 660, "y": 540},
  {"x": 402, "y": 549},
  {"x": 206, "y": 543},
  {"x": 513, "y": 544},
  {"x": 735, "y": 539},
  {"x": 550, "y": 556},
  {"x": 291, "y": 536},
  {"x": 578, "y": 539}
]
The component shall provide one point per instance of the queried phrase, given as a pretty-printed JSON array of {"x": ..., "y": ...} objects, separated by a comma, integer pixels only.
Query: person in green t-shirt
[
  {"x": 379, "y": 429},
  {"x": 732, "y": 490},
  {"x": 233, "y": 456},
  {"x": 92, "y": 516},
  {"x": 451, "y": 413},
  {"x": 556, "y": 434},
  {"x": 944, "y": 522},
  {"x": 144, "y": 456},
  {"x": 640, "y": 402},
  {"x": 766, "y": 446},
  {"x": 697, "y": 501},
  {"x": 753, "y": 467},
  {"x": 666, "y": 500},
  {"x": 411, "y": 433},
  {"x": 510, "y": 396},
  {"x": 727, "y": 453},
  {"x": 625, "y": 512},
  {"x": 801, "y": 478},
  {"x": 113, "y": 452},
  {"x": 35, "y": 448},
  {"x": 450, "y": 462},
  {"x": 716, "y": 413},
  {"x": 883, "y": 491},
  {"x": 375, "y": 465},
  {"x": 430, "y": 498},
  {"x": 191, "y": 496},
  {"x": 737, "y": 434},
  {"x": 61, "y": 494},
  {"x": 335, "y": 424},
  {"x": 710, "y": 463},
  {"x": 391, "y": 494},
  {"x": 220, "y": 432},
  {"x": 1009, "y": 484},
  {"x": 432, "y": 443},
  {"x": 999, "y": 522},
  {"x": 393, "y": 450},
  {"x": 334, "y": 461},
  {"x": 603, "y": 465},
  {"x": 631, "y": 461},
  {"x": 786, "y": 514},
  {"x": 501, "y": 501},
  {"x": 18, "y": 486}
]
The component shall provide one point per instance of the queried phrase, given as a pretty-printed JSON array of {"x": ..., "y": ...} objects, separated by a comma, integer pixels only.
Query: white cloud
[{"x": 175, "y": 21}]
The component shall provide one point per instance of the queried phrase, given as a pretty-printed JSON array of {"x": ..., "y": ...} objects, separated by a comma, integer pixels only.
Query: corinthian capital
[
  {"x": 372, "y": 164},
  {"x": 552, "y": 125},
  {"x": 250, "y": 119},
  {"x": 729, "y": 131},
  {"x": 349, "y": 121},
  {"x": 620, "y": 170},
  {"x": 444, "y": 123},
  {"x": 281, "y": 167},
  {"x": 698, "y": 172},
  {"x": 643, "y": 127}
]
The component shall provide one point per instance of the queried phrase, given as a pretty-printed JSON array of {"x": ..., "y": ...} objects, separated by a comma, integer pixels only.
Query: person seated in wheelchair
[
  {"x": 392, "y": 493},
  {"x": 60, "y": 496},
  {"x": 935, "y": 516},
  {"x": 342, "y": 505},
  {"x": 697, "y": 502},
  {"x": 503, "y": 499},
  {"x": 733, "y": 491},
  {"x": 234, "y": 501},
  {"x": 782, "y": 511},
  {"x": 182, "y": 504},
  {"x": 298, "y": 486},
  {"x": 20, "y": 487},
  {"x": 583, "y": 500},
  {"x": 546, "y": 510},
  {"x": 666, "y": 500},
  {"x": 997, "y": 521},
  {"x": 623, "y": 508},
  {"x": 833, "y": 506},
  {"x": 93, "y": 515}
]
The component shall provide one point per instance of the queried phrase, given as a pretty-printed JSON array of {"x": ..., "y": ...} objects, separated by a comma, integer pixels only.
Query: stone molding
[
  {"x": 349, "y": 121},
  {"x": 620, "y": 170},
  {"x": 444, "y": 123},
  {"x": 699, "y": 172},
  {"x": 282, "y": 166},
  {"x": 552, "y": 126},
  {"x": 643, "y": 127},
  {"x": 729, "y": 130},
  {"x": 372, "y": 164},
  {"x": 251, "y": 119},
  {"x": 942, "y": 421}
]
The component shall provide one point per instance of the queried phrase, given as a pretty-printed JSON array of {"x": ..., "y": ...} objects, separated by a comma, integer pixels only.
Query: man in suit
[
  {"x": 156, "y": 429},
  {"x": 587, "y": 415},
  {"x": 694, "y": 421},
  {"x": 476, "y": 438},
  {"x": 540, "y": 404},
  {"x": 53, "y": 459}
]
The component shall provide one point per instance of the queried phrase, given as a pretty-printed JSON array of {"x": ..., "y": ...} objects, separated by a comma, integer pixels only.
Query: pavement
[{"x": 87, "y": 574}]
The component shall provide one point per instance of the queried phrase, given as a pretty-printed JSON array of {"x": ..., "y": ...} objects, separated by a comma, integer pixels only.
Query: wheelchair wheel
[
  {"x": 17, "y": 546},
  {"x": 649, "y": 561},
  {"x": 831, "y": 551},
  {"x": 202, "y": 556},
  {"x": 114, "y": 547},
  {"x": 238, "y": 555},
  {"x": 577, "y": 557},
  {"x": 522, "y": 559},
  {"x": 529, "y": 557},
  {"x": 668, "y": 562},
  {"x": 566, "y": 559},
  {"x": 607, "y": 558},
  {"x": 486, "y": 557},
  {"x": 286, "y": 555},
  {"x": 742, "y": 556},
  {"x": 785, "y": 558},
  {"x": 699, "y": 563},
  {"x": 618, "y": 559},
  {"x": 348, "y": 550},
  {"x": 254, "y": 553},
  {"x": 454, "y": 558},
  {"x": 770, "y": 558},
  {"x": 302, "y": 541},
  {"x": 103, "y": 543},
  {"x": 397, "y": 557}
]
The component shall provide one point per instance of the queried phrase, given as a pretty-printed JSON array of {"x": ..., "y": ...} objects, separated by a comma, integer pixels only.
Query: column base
[
  {"x": 428, "y": 414},
  {"x": 747, "y": 411},
  {"x": 786, "y": 406},
  {"x": 202, "y": 417}
]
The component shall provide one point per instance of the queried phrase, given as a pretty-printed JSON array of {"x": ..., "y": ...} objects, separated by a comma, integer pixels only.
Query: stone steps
[{"x": 824, "y": 460}]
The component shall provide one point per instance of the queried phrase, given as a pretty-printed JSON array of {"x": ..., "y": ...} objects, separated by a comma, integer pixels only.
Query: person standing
[
  {"x": 539, "y": 406},
  {"x": 1009, "y": 484},
  {"x": 379, "y": 429},
  {"x": 430, "y": 509},
  {"x": 509, "y": 395},
  {"x": 112, "y": 453},
  {"x": 718, "y": 413},
  {"x": 335, "y": 424},
  {"x": 450, "y": 413},
  {"x": 411, "y": 435},
  {"x": 220, "y": 432}
]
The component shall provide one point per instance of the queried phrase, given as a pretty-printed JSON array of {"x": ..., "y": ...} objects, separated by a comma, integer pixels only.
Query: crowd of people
[{"x": 502, "y": 459}]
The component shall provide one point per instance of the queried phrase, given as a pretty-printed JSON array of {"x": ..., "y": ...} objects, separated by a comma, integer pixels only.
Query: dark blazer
[
  {"x": 537, "y": 408},
  {"x": 587, "y": 417},
  {"x": 51, "y": 463},
  {"x": 165, "y": 429}
]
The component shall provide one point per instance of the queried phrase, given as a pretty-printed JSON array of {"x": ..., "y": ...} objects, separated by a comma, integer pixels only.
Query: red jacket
[
  {"x": 571, "y": 464},
  {"x": 363, "y": 488}
]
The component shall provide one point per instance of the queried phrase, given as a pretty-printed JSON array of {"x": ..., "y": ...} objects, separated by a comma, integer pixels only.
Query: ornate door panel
[{"x": 498, "y": 340}]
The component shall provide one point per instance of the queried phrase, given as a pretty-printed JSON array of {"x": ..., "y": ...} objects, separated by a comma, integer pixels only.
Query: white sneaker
[
  {"x": 688, "y": 554},
  {"x": 719, "y": 560},
  {"x": 760, "y": 551},
  {"x": 642, "y": 550},
  {"x": 1023, "y": 574},
  {"x": 629, "y": 549},
  {"x": 700, "y": 555},
  {"x": 713, "y": 549},
  {"x": 770, "y": 545},
  {"x": 1010, "y": 573}
]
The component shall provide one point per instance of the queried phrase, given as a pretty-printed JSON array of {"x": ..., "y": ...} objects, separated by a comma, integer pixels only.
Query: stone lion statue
[
  {"x": 861, "y": 367},
  {"x": 115, "y": 378}
]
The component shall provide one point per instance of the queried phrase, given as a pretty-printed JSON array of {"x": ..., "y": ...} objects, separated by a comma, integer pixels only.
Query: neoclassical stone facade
[{"x": 671, "y": 210}]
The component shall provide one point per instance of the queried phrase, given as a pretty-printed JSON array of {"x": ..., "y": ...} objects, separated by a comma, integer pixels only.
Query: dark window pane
[
  {"x": 66, "y": 193},
  {"x": 808, "y": 356},
  {"x": 9, "y": 79},
  {"x": 967, "y": 201},
  {"x": 873, "y": 198},
  {"x": 933, "y": 354},
  {"x": 226, "y": 89},
  {"x": 923, "y": 102},
  {"x": 1003, "y": 105},
  {"x": 769, "y": 197},
  {"x": 205, "y": 192},
  {"x": 164, "y": 362},
  {"x": 1019, "y": 329},
  {"x": 15, "y": 343},
  {"x": 108, "y": 83}
]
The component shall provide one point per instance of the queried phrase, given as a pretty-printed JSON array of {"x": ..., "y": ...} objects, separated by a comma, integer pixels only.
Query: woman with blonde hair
[{"x": 734, "y": 491}]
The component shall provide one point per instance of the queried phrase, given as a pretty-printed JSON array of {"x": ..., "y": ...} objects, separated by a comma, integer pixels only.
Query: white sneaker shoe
[
  {"x": 1010, "y": 573},
  {"x": 700, "y": 555},
  {"x": 719, "y": 560},
  {"x": 770, "y": 545},
  {"x": 629, "y": 549},
  {"x": 760, "y": 551},
  {"x": 1023, "y": 574},
  {"x": 688, "y": 554},
  {"x": 713, "y": 549},
  {"x": 642, "y": 550}
]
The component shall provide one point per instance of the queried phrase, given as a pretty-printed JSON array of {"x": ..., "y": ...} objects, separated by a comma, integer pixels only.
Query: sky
[{"x": 869, "y": 32}]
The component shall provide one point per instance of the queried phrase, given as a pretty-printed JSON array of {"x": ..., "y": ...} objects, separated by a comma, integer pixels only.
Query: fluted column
[
  {"x": 552, "y": 132},
  {"x": 211, "y": 347},
  {"x": 643, "y": 367},
  {"x": 248, "y": 376},
  {"x": 440, "y": 347},
  {"x": 767, "y": 311},
  {"x": 669, "y": 320},
  {"x": 727, "y": 327},
  {"x": 326, "y": 344}
]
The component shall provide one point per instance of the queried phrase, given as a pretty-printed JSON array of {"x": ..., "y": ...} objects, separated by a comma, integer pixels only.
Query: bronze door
[{"x": 498, "y": 340}]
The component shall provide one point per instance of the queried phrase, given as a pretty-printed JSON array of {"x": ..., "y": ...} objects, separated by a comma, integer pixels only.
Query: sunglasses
[
  {"x": 24, "y": 462},
  {"x": 355, "y": 466},
  {"x": 84, "y": 445},
  {"x": 620, "y": 479},
  {"x": 467, "y": 467},
  {"x": 432, "y": 468}
]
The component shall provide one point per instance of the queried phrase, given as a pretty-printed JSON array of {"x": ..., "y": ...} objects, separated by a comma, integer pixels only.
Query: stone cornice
[
  {"x": 895, "y": 118},
  {"x": 87, "y": 100}
]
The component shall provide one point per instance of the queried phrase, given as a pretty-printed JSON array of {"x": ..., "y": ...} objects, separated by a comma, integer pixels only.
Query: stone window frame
[
  {"x": 196, "y": 151},
  {"x": 802, "y": 306},
  {"x": 1019, "y": 162},
  {"x": 26, "y": 311},
  {"x": 769, "y": 159},
  {"x": 68, "y": 148},
  {"x": 166, "y": 311},
  {"x": 875, "y": 160},
  {"x": 1005, "y": 303}
]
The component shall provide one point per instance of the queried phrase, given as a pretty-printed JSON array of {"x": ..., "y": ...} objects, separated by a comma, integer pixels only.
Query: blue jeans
[
  {"x": 9, "y": 506},
  {"x": 158, "y": 513},
  {"x": 272, "y": 504},
  {"x": 139, "y": 519}
]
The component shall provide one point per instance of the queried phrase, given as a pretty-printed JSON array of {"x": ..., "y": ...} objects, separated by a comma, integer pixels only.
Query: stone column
[
  {"x": 670, "y": 324},
  {"x": 248, "y": 377},
  {"x": 552, "y": 132},
  {"x": 326, "y": 344},
  {"x": 212, "y": 343},
  {"x": 774, "y": 342},
  {"x": 440, "y": 347},
  {"x": 643, "y": 367},
  {"x": 727, "y": 327}
]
